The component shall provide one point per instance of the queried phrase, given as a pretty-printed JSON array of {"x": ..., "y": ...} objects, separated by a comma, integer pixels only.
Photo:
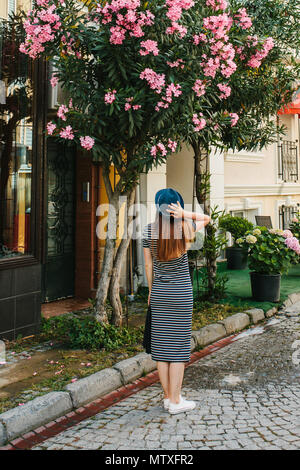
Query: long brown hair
[{"x": 172, "y": 236}]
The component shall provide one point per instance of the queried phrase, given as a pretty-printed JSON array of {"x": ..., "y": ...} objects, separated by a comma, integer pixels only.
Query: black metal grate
[{"x": 288, "y": 161}]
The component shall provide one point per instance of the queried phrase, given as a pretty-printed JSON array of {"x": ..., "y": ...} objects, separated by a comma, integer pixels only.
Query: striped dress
[{"x": 171, "y": 302}]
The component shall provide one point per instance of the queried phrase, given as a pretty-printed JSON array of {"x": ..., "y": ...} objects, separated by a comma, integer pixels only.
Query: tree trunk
[
  {"x": 109, "y": 252},
  {"x": 114, "y": 289},
  {"x": 202, "y": 186}
]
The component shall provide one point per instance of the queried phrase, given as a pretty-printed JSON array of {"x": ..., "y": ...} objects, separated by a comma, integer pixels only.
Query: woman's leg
[
  {"x": 176, "y": 372},
  {"x": 163, "y": 372}
]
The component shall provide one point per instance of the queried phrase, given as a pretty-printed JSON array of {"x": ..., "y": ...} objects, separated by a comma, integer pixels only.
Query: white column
[{"x": 216, "y": 168}]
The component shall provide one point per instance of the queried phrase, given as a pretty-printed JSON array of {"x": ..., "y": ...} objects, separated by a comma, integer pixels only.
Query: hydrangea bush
[
  {"x": 271, "y": 251},
  {"x": 295, "y": 226}
]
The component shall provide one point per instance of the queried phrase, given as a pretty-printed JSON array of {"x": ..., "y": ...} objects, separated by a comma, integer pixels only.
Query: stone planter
[
  {"x": 236, "y": 257},
  {"x": 265, "y": 287}
]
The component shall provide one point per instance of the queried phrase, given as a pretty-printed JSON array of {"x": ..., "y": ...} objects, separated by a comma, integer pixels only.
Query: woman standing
[{"x": 165, "y": 245}]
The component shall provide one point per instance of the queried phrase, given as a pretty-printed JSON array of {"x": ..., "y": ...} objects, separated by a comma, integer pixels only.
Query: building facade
[{"x": 49, "y": 195}]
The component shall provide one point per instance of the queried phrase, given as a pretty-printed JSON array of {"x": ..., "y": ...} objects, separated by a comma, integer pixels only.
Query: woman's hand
[
  {"x": 149, "y": 298},
  {"x": 176, "y": 210}
]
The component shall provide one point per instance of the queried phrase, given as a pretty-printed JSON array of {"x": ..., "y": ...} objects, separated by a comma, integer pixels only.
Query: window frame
[{"x": 39, "y": 114}]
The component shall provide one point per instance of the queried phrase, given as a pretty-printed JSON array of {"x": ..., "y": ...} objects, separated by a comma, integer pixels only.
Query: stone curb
[
  {"x": 42, "y": 410},
  {"x": 34, "y": 413}
]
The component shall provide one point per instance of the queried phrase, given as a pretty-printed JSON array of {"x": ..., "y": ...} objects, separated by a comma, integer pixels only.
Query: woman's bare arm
[
  {"x": 178, "y": 212},
  {"x": 148, "y": 269},
  {"x": 201, "y": 220}
]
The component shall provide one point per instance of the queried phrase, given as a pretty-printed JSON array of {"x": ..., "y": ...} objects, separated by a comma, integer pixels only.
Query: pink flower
[
  {"x": 199, "y": 88},
  {"x": 67, "y": 133},
  {"x": 256, "y": 59},
  {"x": 155, "y": 80},
  {"x": 158, "y": 148},
  {"x": 54, "y": 81},
  {"x": 234, "y": 119},
  {"x": 287, "y": 234},
  {"x": 50, "y": 127},
  {"x": 243, "y": 19},
  {"x": 148, "y": 47},
  {"x": 200, "y": 123},
  {"x": 178, "y": 63},
  {"x": 162, "y": 149},
  {"x": 217, "y": 4},
  {"x": 172, "y": 145},
  {"x": 226, "y": 90},
  {"x": 199, "y": 38},
  {"x": 87, "y": 142},
  {"x": 293, "y": 244},
  {"x": 74, "y": 380},
  {"x": 61, "y": 112},
  {"x": 110, "y": 97},
  {"x": 153, "y": 151}
]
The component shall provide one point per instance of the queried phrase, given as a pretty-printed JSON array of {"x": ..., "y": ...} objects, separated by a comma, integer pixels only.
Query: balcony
[{"x": 288, "y": 161}]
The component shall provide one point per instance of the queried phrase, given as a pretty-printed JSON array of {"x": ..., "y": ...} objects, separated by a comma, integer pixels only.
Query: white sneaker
[
  {"x": 167, "y": 402},
  {"x": 183, "y": 405}
]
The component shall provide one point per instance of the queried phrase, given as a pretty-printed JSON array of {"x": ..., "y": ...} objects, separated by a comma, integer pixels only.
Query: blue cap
[{"x": 167, "y": 196}]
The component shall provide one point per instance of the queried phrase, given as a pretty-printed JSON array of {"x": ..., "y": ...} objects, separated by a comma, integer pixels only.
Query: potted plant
[
  {"x": 270, "y": 253},
  {"x": 237, "y": 226}
]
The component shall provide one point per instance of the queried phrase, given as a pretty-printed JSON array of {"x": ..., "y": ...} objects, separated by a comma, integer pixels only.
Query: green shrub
[
  {"x": 237, "y": 226},
  {"x": 86, "y": 333}
]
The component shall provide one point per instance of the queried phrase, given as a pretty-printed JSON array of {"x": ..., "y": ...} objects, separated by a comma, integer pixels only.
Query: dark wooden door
[{"x": 59, "y": 268}]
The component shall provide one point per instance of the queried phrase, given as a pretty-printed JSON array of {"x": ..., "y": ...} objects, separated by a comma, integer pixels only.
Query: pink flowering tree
[
  {"x": 142, "y": 78},
  {"x": 246, "y": 78}
]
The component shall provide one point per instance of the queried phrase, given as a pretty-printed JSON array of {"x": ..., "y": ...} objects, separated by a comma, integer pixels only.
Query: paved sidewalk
[{"x": 247, "y": 395}]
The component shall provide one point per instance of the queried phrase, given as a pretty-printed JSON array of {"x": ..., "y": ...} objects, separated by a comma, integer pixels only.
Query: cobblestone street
[{"x": 247, "y": 396}]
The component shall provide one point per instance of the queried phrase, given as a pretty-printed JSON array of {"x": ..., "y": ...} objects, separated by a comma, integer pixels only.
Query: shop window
[{"x": 16, "y": 137}]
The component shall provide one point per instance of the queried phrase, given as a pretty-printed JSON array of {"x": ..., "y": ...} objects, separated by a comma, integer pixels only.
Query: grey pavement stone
[
  {"x": 236, "y": 322},
  {"x": 35, "y": 413},
  {"x": 259, "y": 412},
  {"x": 94, "y": 386}
]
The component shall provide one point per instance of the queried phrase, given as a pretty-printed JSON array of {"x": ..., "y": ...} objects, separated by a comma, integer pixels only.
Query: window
[
  {"x": 286, "y": 213},
  {"x": 11, "y": 8},
  {"x": 288, "y": 161},
  {"x": 15, "y": 146}
]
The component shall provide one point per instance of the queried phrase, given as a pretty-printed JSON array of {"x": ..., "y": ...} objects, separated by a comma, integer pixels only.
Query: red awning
[{"x": 291, "y": 108}]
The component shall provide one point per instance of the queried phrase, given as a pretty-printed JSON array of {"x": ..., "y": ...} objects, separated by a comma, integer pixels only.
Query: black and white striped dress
[{"x": 171, "y": 303}]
